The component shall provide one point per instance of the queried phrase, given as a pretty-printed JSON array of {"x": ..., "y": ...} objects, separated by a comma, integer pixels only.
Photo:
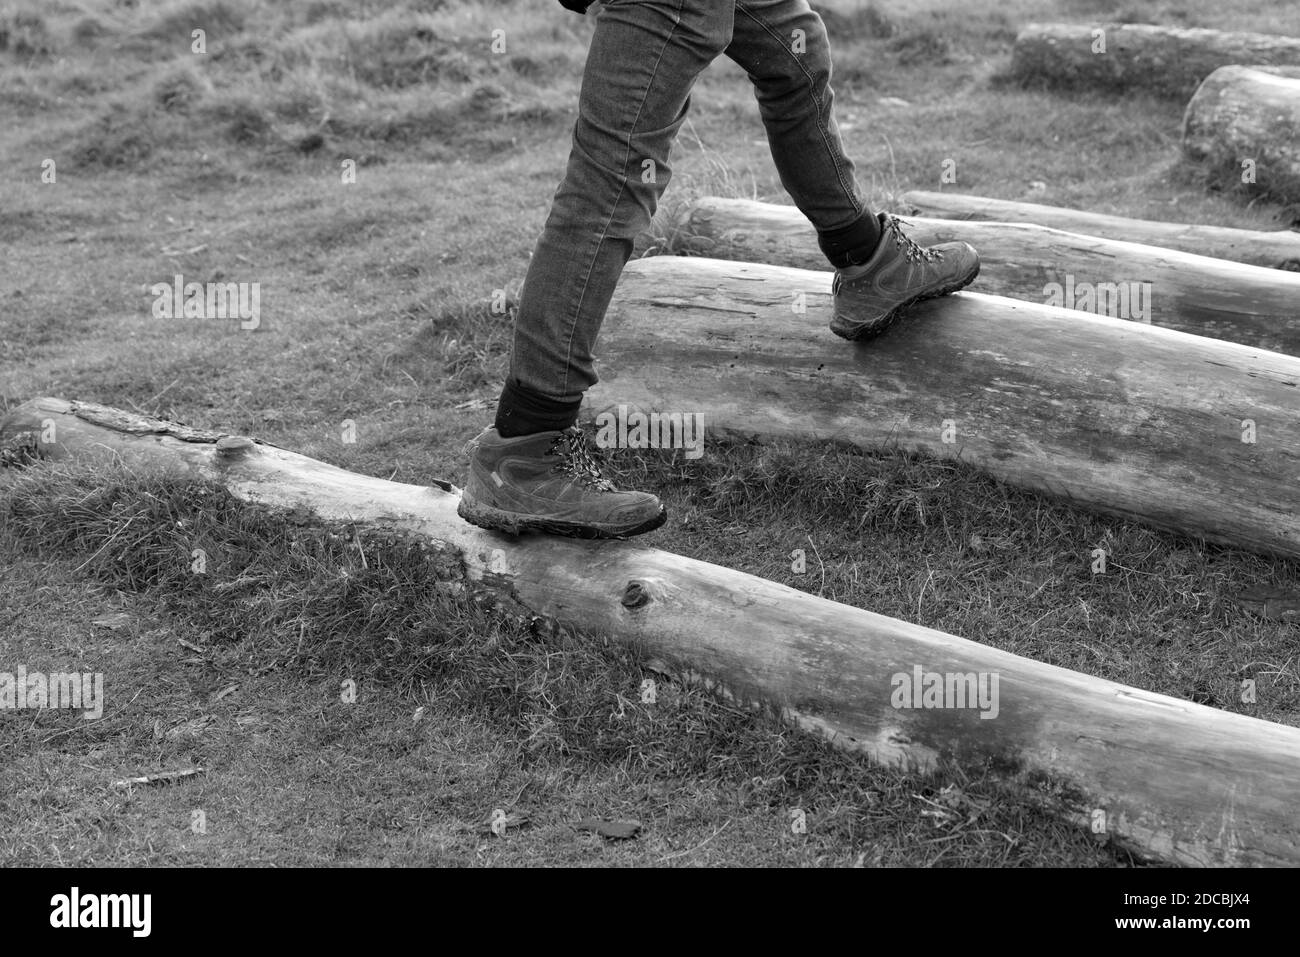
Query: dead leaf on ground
[
  {"x": 614, "y": 830},
  {"x": 951, "y": 804},
  {"x": 118, "y": 621},
  {"x": 189, "y": 729},
  {"x": 162, "y": 777}
]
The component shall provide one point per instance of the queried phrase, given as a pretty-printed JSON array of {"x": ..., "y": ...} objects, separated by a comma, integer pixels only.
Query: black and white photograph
[{"x": 650, "y": 434}]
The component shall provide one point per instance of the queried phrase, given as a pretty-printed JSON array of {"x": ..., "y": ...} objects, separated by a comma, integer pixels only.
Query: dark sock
[
  {"x": 851, "y": 245},
  {"x": 521, "y": 411}
]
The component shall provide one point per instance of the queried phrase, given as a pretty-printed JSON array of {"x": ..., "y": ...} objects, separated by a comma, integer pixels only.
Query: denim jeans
[{"x": 644, "y": 58}]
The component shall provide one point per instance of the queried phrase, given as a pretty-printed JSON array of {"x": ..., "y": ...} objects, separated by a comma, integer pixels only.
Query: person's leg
[
  {"x": 528, "y": 471},
  {"x": 783, "y": 47},
  {"x": 643, "y": 61}
]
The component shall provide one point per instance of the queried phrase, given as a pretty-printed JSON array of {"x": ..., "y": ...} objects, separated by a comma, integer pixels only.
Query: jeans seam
[
  {"x": 780, "y": 40},
  {"x": 627, "y": 155}
]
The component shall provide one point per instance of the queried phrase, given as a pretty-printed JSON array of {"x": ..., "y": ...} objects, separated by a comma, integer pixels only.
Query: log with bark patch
[
  {"x": 1171, "y": 779},
  {"x": 1273, "y": 248},
  {"x": 1243, "y": 125},
  {"x": 1176, "y": 290},
  {"x": 1169, "y": 61}
]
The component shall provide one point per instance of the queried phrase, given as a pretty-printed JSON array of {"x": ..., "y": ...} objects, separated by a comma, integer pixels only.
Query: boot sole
[
  {"x": 516, "y": 523},
  {"x": 865, "y": 332}
]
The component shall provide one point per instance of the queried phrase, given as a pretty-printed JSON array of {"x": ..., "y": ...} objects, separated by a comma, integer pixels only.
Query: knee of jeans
[
  {"x": 711, "y": 35},
  {"x": 719, "y": 39}
]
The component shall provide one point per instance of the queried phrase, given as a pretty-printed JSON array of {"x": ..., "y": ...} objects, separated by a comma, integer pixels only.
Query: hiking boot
[
  {"x": 869, "y": 298},
  {"x": 548, "y": 482}
]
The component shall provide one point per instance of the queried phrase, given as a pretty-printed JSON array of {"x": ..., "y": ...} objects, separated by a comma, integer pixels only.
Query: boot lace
[
  {"x": 576, "y": 460},
  {"x": 911, "y": 250}
]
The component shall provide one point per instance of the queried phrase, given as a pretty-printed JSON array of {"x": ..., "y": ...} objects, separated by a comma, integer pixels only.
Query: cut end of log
[{"x": 1243, "y": 125}]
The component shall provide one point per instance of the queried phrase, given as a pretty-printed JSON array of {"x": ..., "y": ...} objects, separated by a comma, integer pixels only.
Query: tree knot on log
[
  {"x": 640, "y": 592},
  {"x": 636, "y": 594},
  {"x": 233, "y": 446}
]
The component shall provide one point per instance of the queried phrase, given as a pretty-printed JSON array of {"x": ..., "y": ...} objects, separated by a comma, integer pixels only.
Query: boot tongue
[{"x": 893, "y": 229}]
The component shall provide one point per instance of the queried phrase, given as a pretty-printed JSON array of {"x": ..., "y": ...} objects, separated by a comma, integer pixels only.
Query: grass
[{"x": 387, "y": 301}]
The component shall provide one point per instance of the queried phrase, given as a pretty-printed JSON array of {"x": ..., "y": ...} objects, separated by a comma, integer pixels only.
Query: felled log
[
  {"x": 1169, "y": 61},
  {"x": 1130, "y": 419},
  {"x": 1244, "y": 126},
  {"x": 1275, "y": 249},
  {"x": 1174, "y": 780},
  {"x": 1176, "y": 290}
]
